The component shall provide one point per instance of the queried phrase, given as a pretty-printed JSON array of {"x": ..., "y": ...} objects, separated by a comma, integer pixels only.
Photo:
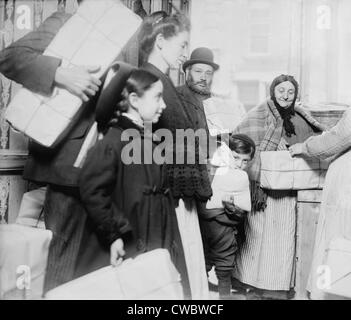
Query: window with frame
[
  {"x": 259, "y": 27},
  {"x": 248, "y": 93}
]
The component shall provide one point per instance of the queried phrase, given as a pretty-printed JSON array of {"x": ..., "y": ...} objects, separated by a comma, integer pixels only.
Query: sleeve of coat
[
  {"x": 333, "y": 142},
  {"x": 97, "y": 183},
  {"x": 23, "y": 61}
]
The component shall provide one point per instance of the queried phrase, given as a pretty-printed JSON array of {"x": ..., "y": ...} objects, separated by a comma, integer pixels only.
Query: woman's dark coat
[{"x": 187, "y": 180}]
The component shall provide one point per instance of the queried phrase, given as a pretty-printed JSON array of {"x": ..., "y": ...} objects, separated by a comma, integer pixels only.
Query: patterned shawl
[{"x": 264, "y": 125}]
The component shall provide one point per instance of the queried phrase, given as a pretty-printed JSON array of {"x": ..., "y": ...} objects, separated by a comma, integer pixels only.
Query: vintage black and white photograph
[{"x": 184, "y": 150}]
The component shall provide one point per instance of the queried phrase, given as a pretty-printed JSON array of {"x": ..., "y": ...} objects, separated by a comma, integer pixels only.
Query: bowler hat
[
  {"x": 112, "y": 92},
  {"x": 201, "y": 55}
]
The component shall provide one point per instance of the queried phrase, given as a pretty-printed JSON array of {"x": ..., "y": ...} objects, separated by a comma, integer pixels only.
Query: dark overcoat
[
  {"x": 187, "y": 180},
  {"x": 194, "y": 107}
]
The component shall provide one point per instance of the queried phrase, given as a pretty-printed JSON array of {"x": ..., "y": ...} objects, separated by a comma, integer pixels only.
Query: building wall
[
  {"x": 256, "y": 40},
  {"x": 344, "y": 37}
]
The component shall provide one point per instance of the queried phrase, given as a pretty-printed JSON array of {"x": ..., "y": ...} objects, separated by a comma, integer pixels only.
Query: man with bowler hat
[{"x": 199, "y": 71}]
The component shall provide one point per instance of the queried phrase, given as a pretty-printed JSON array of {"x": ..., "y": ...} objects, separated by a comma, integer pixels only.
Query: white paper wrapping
[
  {"x": 23, "y": 248},
  {"x": 280, "y": 171},
  {"x": 94, "y": 35},
  {"x": 31, "y": 210},
  {"x": 339, "y": 264},
  {"x": 150, "y": 276},
  {"x": 228, "y": 181},
  {"x": 222, "y": 115}
]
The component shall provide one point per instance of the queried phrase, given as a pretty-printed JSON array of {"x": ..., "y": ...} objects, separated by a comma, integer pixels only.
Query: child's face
[
  {"x": 150, "y": 105},
  {"x": 241, "y": 161}
]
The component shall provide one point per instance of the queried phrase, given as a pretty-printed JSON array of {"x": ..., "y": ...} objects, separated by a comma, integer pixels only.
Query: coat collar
[
  {"x": 166, "y": 80},
  {"x": 124, "y": 123},
  {"x": 189, "y": 97},
  {"x": 156, "y": 71}
]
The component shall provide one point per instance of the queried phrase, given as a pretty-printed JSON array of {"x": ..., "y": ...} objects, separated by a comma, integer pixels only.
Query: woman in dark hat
[
  {"x": 130, "y": 208},
  {"x": 266, "y": 260},
  {"x": 163, "y": 45}
]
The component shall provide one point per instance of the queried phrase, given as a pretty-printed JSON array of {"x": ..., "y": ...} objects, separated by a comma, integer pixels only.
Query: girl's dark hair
[
  {"x": 283, "y": 78},
  {"x": 139, "y": 81},
  {"x": 242, "y": 144},
  {"x": 160, "y": 22}
]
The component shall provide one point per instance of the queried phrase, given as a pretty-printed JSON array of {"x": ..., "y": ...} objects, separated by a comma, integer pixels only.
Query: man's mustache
[{"x": 201, "y": 82}]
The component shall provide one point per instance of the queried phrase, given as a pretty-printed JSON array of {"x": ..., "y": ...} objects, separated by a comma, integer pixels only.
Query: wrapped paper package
[
  {"x": 228, "y": 181},
  {"x": 31, "y": 209},
  {"x": 94, "y": 35},
  {"x": 23, "y": 258},
  {"x": 280, "y": 171},
  {"x": 149, "y": 276},
  {"x": 222, "y": 115},
  {"x": 339, "y": 262}
]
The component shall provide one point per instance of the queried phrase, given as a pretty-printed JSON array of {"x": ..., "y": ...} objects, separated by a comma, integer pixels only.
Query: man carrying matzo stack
[{"x": 40, "y": 63}]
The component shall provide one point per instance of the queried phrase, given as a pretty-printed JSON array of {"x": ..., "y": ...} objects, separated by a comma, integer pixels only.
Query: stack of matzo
[{"x": 94, "y": 35}]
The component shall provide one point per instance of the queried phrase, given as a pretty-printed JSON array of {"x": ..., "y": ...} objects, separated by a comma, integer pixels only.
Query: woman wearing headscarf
[
  {"x": 335, "y": 213},
  {"x": 266, "y": 260}
]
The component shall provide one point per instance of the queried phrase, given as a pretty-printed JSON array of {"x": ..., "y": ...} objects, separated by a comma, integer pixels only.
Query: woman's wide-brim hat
[
  {"x": 201, "y": 55},
  {"x": 111, "y": 93}
]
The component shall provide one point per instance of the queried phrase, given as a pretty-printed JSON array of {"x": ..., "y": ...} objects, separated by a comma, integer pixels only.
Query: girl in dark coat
[{"x": 130, "y": 208}]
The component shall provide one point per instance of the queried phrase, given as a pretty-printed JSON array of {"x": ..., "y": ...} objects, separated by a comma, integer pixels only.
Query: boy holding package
[{"x": 230, "y": 182}]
